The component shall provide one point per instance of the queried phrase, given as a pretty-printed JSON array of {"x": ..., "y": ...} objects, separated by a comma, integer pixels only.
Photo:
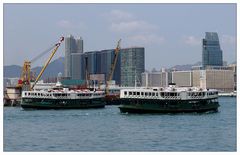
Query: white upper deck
[
  {"x": 169, "y": 93},
  {"x": 64, "y": 93}
]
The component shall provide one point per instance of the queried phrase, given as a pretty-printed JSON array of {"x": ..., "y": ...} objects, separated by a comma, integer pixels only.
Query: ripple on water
[{"x": 109, "y": 130}]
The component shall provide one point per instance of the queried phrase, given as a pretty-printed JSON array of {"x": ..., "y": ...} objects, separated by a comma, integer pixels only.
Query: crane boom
[
  {"x": 48, "y": 61},
  {"x": 113, "y": 66}
]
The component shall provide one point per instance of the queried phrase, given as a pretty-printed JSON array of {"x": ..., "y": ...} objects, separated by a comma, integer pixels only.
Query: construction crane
[
  {"x": 26, "y": 74},
  {"x": 113, "y": 65},
  {"x": 48, "y": 61}
]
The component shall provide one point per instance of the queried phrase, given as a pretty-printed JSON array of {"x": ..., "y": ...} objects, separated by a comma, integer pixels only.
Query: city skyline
[{"x": 152, "y": 26}]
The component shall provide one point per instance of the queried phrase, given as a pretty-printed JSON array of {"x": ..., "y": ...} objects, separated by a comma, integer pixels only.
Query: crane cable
[{"x": 43, "y": 53}]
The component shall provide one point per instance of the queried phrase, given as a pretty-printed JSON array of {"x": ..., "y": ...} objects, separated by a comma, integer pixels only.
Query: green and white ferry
[
  {"x": 63, "y": 98},
  {"x": 168, "y": 100}
]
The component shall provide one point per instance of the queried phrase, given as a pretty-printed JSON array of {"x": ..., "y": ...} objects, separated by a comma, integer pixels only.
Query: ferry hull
[
  {"x": 167, "y": 106},
  {"x": 31, "y": 103}
]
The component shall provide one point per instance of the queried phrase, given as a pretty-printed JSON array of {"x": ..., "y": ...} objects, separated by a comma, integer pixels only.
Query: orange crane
[
  {"x": 24, "y": 80},
  {"x": 112, "y": 67},
  {"x": 25, "y": 75}
]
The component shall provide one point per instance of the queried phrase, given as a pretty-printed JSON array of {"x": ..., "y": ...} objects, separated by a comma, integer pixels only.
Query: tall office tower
[
  {"x": 73, "y": 48},
  {"x": 132, "y": 66},
  {"x": 130, "y": 62},
  {"x": 211, "y": 51}
]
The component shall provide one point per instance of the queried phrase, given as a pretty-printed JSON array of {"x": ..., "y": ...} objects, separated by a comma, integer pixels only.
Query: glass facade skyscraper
[
  {"x": 73, "y": 47},
  {"x": 211, "y": 51},
  {"x": 132, "y": 66},
  {"x": 130, "y": 62}
]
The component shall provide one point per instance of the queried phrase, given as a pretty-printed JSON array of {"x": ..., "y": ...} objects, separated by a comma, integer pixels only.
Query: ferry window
[
  {"x": 142, "y": 93},
  {"x": 28, "y": 93},
  {"x": 156, "y": 94},
  {"x": 38, "y": 94},
  {"x": 25, "y": 93},
  {"x": 35, "y": 94},
  {"x": 150, "y": 94},
  {"x": 134, "y": 93},
  {"x": 130, "y": 93},
  {"x": 153, "y": 94},
  {"x": 125, "y": 93},
  {"x": 162, "y": 94},
  {"x": 146, "y": 94},
  {"x": 138, "y": 93}
]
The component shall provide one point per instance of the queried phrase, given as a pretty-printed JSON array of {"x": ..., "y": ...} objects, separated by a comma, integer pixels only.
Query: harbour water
[{"x": 108, "y": 130}]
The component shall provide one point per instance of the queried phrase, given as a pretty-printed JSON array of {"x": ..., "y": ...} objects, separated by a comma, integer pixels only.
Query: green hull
[
  {"x": 35, "y": 103},
  {"x": 167, "y": 106}
]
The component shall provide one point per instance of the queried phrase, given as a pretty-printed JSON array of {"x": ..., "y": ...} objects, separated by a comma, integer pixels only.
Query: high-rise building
[
  {"x": 211, "y": 51},
  {"x": 73, "y": 47},
  {"x": 99, "y": 63},
  {"x": 132, "y": 66}
]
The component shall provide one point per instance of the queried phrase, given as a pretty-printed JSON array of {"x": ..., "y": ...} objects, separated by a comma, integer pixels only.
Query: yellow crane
[
  {"x": 49, "y": 59},
  {"x": 26, "y": 70},
  {"x": 117, "y": 49}
]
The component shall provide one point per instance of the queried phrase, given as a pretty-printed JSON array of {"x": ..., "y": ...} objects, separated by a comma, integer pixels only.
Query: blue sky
[{"x": 170, "y": 33}]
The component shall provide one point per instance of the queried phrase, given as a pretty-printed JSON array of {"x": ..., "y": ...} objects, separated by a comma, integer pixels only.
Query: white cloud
[
  {"x": 144, "y": 39},
  {"x": 191, "y": 40},
  {"x": 131, "y": 26},
  {"x": 135, "y": 30},
  {"x": 116, "y": 15},
  {"x": 125, "y": 22},
  {"x": 65, "y": 24},
  {"x": 70, "y": 25}
]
